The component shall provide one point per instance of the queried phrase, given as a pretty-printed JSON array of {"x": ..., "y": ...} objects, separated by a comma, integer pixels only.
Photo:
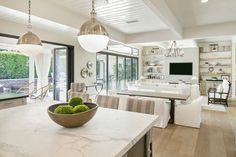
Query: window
[
  {"x": 121, "y": 48},
  {"x": 114, "y": 71}
]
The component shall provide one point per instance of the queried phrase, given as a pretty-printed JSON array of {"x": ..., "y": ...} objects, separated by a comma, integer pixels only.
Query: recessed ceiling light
[{"x": 204, "y": 1}]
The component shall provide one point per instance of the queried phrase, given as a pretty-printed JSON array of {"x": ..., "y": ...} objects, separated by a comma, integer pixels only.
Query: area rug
[{"x": 214, "y": 107}]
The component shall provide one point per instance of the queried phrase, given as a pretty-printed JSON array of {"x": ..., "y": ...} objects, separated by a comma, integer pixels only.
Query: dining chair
[
  {"x": 140, "y": 105},
  {"x": 108, "y": 101},
  {"x": 84, "y": 96},
  {"x": 143, "y": 106}
]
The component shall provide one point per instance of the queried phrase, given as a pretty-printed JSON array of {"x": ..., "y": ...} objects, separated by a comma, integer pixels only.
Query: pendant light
[
  {"x": 29, "y": 41},
  {"x": 93, "y": 36}
]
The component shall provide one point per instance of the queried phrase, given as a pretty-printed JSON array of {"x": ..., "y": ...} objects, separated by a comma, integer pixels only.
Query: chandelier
[
  {"x": 93, "y": 36},
  {"x": 174, "y": 51}
]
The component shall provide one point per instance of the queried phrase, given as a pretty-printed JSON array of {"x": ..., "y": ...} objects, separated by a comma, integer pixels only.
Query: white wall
[{"x": 190, "y": 55}]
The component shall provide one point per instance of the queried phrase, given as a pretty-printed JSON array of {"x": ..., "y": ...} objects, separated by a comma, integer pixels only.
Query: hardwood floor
[{"x": 215, "y": 138}]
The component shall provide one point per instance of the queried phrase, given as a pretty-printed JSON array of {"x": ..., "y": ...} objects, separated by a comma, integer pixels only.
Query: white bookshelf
[
  {"x": 215, "y": 61},
  {"x": 153, "y": 63}
]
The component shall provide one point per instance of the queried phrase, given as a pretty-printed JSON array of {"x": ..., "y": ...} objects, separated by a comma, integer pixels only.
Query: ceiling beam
[
  {"x": 163, "y": 35},
  {"x": 161, "y": 9},
  {"x": 209, "y": 31}
]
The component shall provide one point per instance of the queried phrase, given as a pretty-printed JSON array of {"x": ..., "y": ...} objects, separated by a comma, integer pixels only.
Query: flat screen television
[{"x": 181, "y": 69}]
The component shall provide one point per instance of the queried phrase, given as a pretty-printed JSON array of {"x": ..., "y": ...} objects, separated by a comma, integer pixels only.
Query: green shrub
[{"x": 13, "y": 65}]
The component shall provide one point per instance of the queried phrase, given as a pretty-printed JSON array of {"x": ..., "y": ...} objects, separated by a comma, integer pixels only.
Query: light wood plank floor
[{"x": 215, "y": 138}]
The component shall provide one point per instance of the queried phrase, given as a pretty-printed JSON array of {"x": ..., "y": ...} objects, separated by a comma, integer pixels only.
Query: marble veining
[{"x": 27, "y": 131}]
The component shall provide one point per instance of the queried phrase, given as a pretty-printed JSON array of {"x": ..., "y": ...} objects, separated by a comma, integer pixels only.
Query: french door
[
  {"x": 63, "y": 72},
  {"x": 114, "y": 71}
]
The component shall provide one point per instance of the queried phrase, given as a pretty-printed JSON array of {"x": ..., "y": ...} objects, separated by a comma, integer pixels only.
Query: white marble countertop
[{"x": 27, "y": 131}]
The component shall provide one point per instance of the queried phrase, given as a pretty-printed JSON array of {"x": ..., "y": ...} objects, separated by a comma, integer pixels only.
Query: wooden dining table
[{"x": 163, "y": 94}]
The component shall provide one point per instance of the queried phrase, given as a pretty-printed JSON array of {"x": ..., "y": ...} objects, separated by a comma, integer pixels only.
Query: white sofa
[{"x": 160, "y": 87}]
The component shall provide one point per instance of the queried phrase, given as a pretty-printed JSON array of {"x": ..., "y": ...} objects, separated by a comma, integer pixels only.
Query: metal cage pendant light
[
  {"x": 29, "y": 39},
  {"x": 174, "y": 51},
  {"x": 93, "y": 36}
]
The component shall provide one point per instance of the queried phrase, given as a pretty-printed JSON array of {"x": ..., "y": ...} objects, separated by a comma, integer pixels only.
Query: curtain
[{"x": 42, "y": 63}]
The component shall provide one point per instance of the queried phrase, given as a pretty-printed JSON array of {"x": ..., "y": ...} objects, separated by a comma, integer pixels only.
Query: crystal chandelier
[
  {"x": 93, "y": 36},
  {"x": 174, "y": 51}
]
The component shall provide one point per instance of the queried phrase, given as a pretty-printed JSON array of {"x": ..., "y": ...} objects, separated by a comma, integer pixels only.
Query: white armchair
[{"x": 189, "y": 114}]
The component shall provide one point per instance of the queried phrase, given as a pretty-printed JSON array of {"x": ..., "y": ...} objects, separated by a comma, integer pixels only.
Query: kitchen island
[
  {"x": 8, "y": 100},
  {"x": 27, "y": 131}
]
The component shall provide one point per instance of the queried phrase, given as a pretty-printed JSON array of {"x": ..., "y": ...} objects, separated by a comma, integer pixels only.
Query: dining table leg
[{"x": 172, "y": 111}]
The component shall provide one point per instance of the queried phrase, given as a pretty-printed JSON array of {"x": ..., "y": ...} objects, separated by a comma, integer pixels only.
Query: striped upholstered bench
[
  {"x": 140, "y": 105},
  {"x": 108, "y": 101}
]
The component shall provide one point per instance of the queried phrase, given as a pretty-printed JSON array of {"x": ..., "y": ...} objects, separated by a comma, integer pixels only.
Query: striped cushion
[
  {"x": 84, "y": 96},
  {"x": 140, "y": 105},
  {"x": 77, "y": 87},
  {"x": 108, "y": 101}
]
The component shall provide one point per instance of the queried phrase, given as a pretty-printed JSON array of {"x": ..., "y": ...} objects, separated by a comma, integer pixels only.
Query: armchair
[
  {"x": 76, "y": 89},
  {"x": 220, "y": 94}
]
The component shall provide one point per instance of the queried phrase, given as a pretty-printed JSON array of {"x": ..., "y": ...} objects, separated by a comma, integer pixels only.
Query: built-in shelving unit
[
  {"x": 215, "y": 63},
  {"x": 154, "y": 62}
]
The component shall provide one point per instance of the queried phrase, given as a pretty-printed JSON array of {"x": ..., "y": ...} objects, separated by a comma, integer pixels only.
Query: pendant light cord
[
  {"x": 29, "y": 16},
  {"x": 93, "y": 12}
]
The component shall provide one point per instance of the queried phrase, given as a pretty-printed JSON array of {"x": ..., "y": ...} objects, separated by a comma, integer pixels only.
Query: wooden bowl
[{"x": 72, "y": 120}]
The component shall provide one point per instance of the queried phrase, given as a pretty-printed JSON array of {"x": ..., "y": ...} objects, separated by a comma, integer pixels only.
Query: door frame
[{"x": 70, "y": 58}]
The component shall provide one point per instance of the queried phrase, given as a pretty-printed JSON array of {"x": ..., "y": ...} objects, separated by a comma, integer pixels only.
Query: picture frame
[{"x": 225, "y": 77}]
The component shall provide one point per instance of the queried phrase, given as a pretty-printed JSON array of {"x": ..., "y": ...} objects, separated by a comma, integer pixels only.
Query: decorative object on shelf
[
  {"x": 93, "y": 36},
  {"x": 89, "y": 65},
  {"x": 214, "y": 78},
  {"x": 225, "y": 77},
  {"x": 150, "y": 70},
  {"x": 29, "y": 41},
  {"x": 84, "y": 72},
  {"x": 220, "y": 71},
  {"x": 211, "y": 69},
  {"x": 214, "y": 47},
  {"x": 174, "y": 51},
  {"x": 90, "y": 73}
]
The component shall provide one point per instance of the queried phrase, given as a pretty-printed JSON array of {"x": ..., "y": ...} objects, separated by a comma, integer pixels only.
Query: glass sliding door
[
  {"x": 121, "y": 73},
  {"x": 128, "y": 70},
  {"x": 60, "y": 74},
  {"x": 112, "y": 71},
  {"x": 134, "y": 69},
  {"x": 101, "y": 71}
]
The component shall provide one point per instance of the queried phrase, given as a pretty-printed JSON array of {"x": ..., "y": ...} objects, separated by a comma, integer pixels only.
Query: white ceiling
[
  {"x": 22, "y": 18},
  {"x": 116, "y": 13},
  {"x": 194, "y": 13}
]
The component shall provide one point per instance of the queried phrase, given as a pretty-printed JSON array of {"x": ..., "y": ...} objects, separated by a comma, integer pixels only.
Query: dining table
[{"x": 172, "y": 96}]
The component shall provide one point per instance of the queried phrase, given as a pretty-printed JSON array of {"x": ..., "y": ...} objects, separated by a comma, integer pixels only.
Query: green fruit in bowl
[
  {"x": 80, "y": 108},
  {"x": 76, "y": 101},
  {"x": 64, "y": 109}
]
